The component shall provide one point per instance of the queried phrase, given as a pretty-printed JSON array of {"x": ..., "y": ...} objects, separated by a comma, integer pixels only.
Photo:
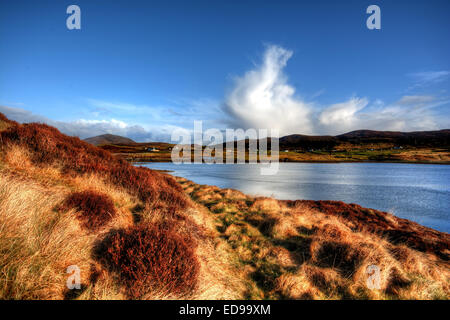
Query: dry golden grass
[
  {"x": 37, "y": 243},
  {"x": 424, "y": 155}
]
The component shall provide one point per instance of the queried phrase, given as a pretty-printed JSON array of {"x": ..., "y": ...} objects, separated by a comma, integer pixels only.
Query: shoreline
[{"x": 305, "y": 161}]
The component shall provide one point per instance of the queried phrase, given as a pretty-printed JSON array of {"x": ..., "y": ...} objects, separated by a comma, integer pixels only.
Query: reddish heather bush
[
  {"x": 395, "y": 229},
  {"x": 49, "y": 146},
  {"x": 148, "y": 257},
  {"x": 94, "y": 209}
]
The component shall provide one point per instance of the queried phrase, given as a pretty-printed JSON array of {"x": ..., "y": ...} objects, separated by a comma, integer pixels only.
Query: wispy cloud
[
  {"x": 422, "y": 79},
  {"x": 116, "y": 106},
  {"x": 416, "y": 100},
  {"x": 317, "y": 93},
  {"x": 13, "y": 103},
  {"x": 129, "y": 110}
]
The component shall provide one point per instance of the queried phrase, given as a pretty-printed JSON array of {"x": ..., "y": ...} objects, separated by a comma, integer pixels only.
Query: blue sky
[{"x": 143, "y": 68}]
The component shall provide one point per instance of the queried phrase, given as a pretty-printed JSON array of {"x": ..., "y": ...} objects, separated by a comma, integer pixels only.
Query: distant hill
[
  {"x": 440, "y": 138},
  {"x": 300, "y": 141},
  {"x": 109, "y": 139}
]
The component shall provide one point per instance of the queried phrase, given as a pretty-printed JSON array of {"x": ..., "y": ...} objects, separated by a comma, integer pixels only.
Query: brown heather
[
  {"x": 94, "y": 209},
  {"x": 148, "y": 257}
]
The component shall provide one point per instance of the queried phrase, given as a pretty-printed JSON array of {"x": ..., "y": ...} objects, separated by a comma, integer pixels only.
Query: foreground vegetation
[{"x": 136, "y": 233}]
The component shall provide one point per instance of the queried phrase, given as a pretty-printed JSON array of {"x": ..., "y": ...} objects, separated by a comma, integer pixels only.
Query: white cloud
[
  {"x": 262, "y": 98},
  {"x": 344, "y": 114}
]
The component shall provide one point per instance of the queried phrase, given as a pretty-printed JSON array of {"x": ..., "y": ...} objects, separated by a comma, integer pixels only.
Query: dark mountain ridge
[{"x": 439, "y": 138}]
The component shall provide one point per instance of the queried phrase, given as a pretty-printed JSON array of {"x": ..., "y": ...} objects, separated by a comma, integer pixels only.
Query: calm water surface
[{"x": 413, "y": 191}]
